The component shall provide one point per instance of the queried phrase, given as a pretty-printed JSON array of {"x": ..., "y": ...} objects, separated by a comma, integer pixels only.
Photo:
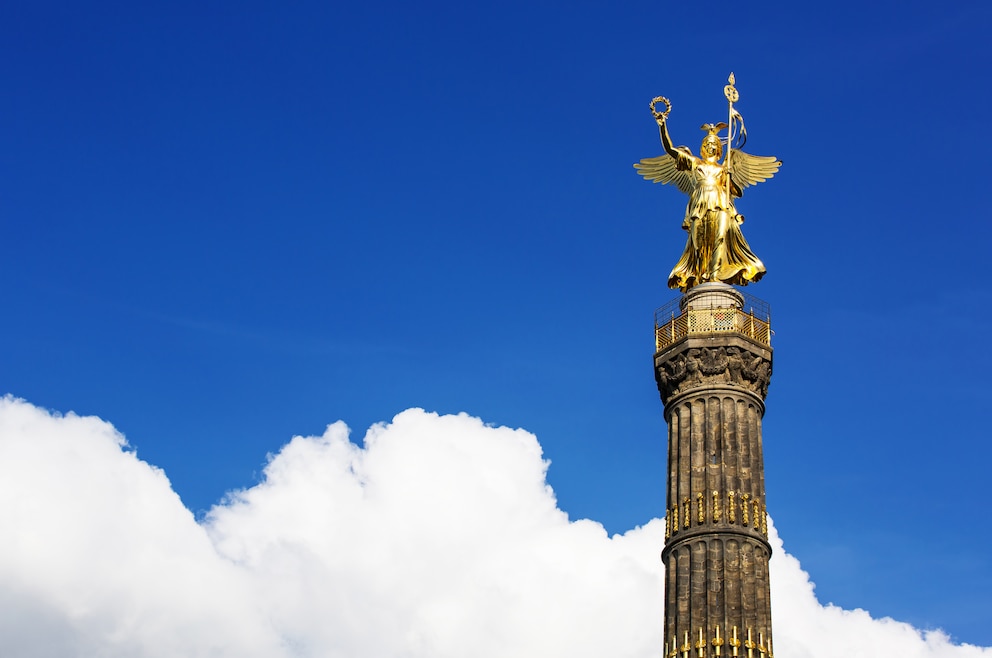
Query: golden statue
[{"x": 716, "y": 249}]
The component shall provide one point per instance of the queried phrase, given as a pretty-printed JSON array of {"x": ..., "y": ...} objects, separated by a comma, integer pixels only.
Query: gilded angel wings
[
  {"x": 665, "y": 169},
  {"x": 745, "y": 169}
]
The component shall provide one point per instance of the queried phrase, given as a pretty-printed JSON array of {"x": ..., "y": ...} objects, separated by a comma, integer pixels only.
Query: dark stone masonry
[{"x": 713, "y": 369}]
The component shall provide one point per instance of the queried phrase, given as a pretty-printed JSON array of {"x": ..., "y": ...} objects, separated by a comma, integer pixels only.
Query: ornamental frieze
[{"x": 706, "y": 366}]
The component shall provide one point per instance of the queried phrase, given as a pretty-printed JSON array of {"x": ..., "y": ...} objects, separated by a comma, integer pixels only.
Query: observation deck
[{"x": 712, "y": 308}]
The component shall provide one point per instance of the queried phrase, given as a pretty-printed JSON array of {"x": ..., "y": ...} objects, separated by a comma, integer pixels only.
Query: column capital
[{"x": 725, "y": 361}]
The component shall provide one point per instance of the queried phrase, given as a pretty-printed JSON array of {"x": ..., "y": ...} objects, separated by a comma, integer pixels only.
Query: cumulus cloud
[{"x": 438, "y": 537}]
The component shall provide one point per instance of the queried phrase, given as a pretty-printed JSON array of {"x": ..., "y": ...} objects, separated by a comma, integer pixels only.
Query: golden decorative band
[
  {"x": 763, "y": 645},
  {"x": 753, "y": 513}
]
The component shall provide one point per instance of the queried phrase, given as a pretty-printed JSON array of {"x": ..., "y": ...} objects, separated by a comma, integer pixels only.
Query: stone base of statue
[{"x": 713, "y": 364}]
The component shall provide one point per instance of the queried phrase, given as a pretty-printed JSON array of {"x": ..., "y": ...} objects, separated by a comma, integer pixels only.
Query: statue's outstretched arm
[{"x": 666, "y": 140}]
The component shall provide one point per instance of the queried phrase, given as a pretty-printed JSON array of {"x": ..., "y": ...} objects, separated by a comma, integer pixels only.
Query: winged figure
[{"x": 716, "y": 249}]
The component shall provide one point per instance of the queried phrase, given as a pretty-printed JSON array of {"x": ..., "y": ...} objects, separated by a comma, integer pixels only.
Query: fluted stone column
[{"x": 713, "y": 381}]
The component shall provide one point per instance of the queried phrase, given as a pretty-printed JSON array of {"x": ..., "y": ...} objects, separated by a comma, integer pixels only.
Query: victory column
[{"x": 713, "y": 363}]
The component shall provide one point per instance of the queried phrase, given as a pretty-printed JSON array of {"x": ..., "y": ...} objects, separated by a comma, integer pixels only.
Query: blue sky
[{"x": 226, "y": 226}]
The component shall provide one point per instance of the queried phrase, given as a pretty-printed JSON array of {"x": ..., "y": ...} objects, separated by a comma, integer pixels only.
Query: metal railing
[{"x": 672, "y": 324}]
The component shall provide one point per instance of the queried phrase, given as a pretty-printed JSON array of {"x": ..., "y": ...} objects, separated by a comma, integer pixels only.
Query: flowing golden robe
[{"x": 715, "y": 249}]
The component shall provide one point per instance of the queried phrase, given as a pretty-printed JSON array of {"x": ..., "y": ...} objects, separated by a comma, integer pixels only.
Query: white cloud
[
  {"x": 803, "y": 628},
  {"x": 440, "y": 537},
  {"x": 99, "y": 556}
]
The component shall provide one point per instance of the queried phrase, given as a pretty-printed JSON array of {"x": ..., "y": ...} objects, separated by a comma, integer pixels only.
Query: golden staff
[{"x": 730, "y": 91}]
